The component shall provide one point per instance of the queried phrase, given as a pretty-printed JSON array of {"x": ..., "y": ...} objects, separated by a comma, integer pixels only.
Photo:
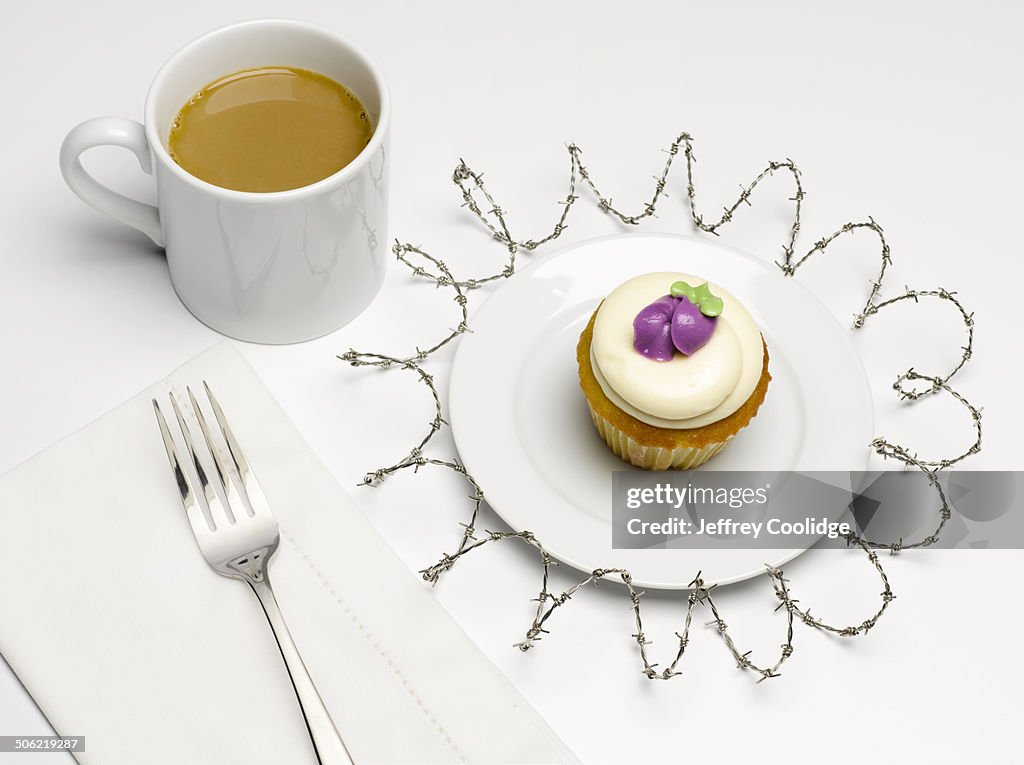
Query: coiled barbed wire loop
[{"x": 490, "y": 214}]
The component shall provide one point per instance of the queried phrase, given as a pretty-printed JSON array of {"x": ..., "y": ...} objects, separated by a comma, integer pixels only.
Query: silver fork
[{"x": 238, "y": 541}]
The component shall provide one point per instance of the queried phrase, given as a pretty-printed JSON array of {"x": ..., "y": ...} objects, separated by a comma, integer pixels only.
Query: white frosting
[{"x": 688, "y": 391}]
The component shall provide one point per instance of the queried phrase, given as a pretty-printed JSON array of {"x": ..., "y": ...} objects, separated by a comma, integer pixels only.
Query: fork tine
[
  {"x": 217, "y": 509},
  {"x": 188, "y": 497},
  {"x": 236, "y": 506},
  {"x": 257, "y": 500}
]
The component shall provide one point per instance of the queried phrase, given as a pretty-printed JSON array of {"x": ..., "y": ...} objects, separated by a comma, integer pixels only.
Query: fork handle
[{"x": 330, "y": 749}]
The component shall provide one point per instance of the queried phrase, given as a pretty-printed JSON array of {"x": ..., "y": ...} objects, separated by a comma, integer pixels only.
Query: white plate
[{"x": 523, "y": 431}]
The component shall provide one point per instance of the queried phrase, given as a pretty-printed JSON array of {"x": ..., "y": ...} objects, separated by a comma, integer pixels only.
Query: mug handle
[{"x": 110, "y": 131}]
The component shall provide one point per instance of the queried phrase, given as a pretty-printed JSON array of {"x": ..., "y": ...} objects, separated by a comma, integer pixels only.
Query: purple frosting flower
[
  {"x": 670, "y": 324},
  {"x": 691, "y": 329},
  {"x": 652, "y": 329}
]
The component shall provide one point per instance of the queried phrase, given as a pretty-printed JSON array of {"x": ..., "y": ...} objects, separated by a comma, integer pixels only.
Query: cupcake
[{"x": 672, "y": 368}]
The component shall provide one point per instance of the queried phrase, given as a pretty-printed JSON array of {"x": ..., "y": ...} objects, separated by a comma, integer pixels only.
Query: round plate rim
[{"x": 788, "y": 554}]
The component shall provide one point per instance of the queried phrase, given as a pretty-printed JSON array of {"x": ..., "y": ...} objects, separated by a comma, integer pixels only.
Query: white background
[{"x": 906, "y": 112}]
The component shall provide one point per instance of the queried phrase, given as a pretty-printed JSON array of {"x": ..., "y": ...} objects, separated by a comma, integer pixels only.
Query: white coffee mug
[{"x": 277, "y": 267}]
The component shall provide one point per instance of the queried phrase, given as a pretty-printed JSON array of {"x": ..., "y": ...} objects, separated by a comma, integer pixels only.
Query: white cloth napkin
[{"x": 121, "y": 632}]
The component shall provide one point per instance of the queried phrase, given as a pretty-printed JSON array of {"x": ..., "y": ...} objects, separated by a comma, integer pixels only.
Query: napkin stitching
[{"x": 388, "y": 661}]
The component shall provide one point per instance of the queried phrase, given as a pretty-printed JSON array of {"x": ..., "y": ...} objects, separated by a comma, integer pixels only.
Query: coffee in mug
[{"x": 269, "y": 129}]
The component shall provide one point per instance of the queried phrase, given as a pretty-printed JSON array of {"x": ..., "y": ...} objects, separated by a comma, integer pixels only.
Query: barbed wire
[{"x": 426, "y": 266}]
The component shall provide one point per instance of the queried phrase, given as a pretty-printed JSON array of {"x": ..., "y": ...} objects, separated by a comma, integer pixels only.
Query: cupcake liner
[{"x": 652, "y": 457}]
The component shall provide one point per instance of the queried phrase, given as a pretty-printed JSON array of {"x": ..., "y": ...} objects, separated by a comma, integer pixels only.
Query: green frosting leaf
[
  {"x": 703, "y": 292},
  {"x": 711, "y": 305},
  {"x": 682, "y": 289},
  {"x": 701, "y": 296}
]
